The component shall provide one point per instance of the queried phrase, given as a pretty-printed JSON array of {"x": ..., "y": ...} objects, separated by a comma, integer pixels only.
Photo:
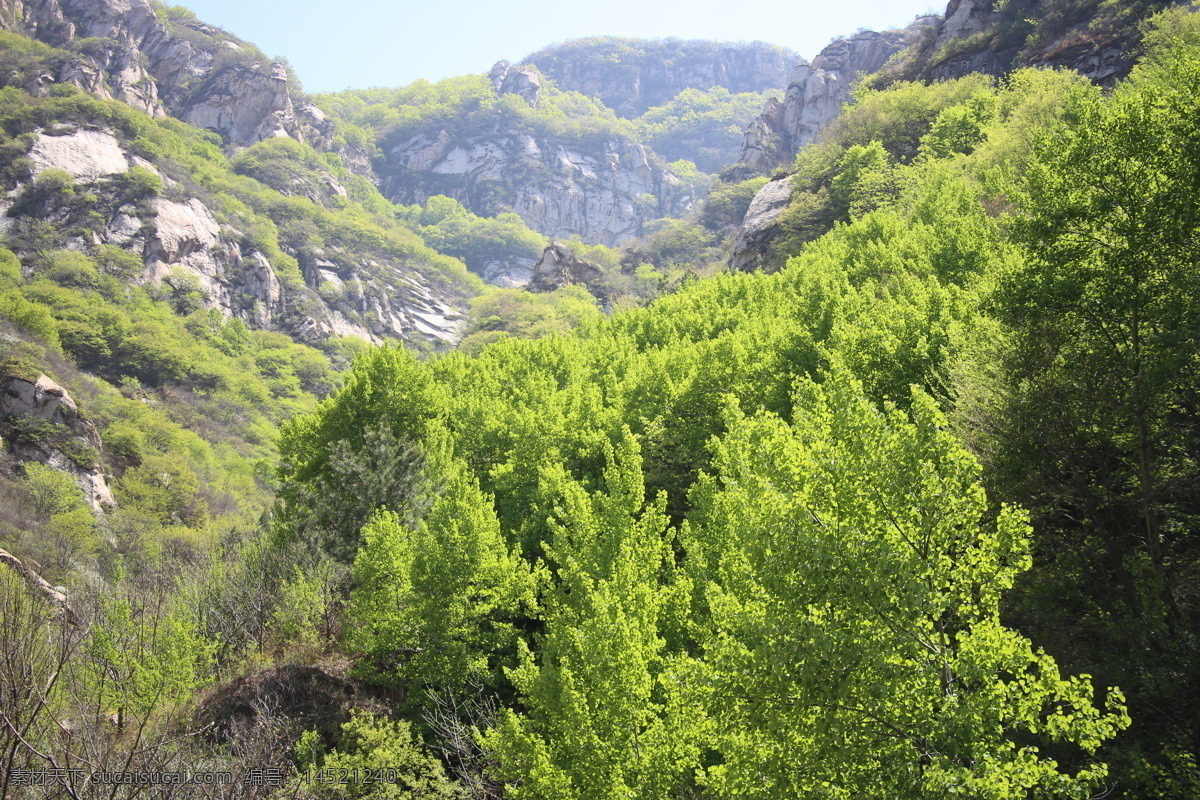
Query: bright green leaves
[
  {"x": 864, "y": 180},
  {"x": 365, "y": 449},
  {"x": 608, "y": 712},
  {"x": 960, "y": 128},
  {"x": 853, "y": 576},
  {"x": 382, "y": 760},
  {"x": 434, "y": 604},
  {"x": 137, "y": 663}
]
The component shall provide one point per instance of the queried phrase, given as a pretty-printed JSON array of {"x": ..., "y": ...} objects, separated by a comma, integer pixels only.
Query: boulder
[
  {"x": 70, "y": 432},
  {"x": 559, "y": 267},
  {"x": 758, "y": 227}
]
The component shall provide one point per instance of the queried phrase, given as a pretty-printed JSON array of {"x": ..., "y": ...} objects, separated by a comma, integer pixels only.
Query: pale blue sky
[{"x": 342, "y": 44}]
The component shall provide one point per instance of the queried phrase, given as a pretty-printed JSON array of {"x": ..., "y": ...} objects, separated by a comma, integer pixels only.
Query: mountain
[
  {"x": 631, "y": 76},
  {"x": 1100, "y": 41},
  {"x": 162, "y": 60},
  {"x": 563, "y": 164},
  {"x": 900, "y": 506},
  {"x": 1092, "y": 37},
  {"x": 816, "y": 93}
]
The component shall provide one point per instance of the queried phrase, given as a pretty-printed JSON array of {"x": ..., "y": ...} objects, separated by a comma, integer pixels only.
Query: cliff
[
  {"x": 1091, "y": 37},
  {"x": 601, "y": 190},
  {"x": 816, "y": 93},
  {"x": 633, "y": 75},
  {"x": 167, "y": 63},
  {"x": 185, "y": 244}
]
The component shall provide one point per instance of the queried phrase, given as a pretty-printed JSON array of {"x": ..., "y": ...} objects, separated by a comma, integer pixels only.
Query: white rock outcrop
[
  {"x": 758, "y": 228},
  {"x": 47, "y": 400},
  {"x": 816, "y": 93},
  {"x": 603, "y": 193},
  {"x": 86, "y": 154}
]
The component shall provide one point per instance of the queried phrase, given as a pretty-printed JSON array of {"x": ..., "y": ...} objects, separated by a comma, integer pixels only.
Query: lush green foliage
[
  {"x": 761, "y": 538},
  {"x": 702, "y": 126},
  {"x": 469, "y": 105},
  {"x": 745, "y": 528}
]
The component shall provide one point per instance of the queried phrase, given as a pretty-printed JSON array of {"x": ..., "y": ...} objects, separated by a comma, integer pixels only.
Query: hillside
[
  {"x": 631, "y": 76},
  {"x": 642, "y": 420}
]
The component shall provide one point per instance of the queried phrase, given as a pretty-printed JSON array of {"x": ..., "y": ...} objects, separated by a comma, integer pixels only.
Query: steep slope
[
  {"x": 163, "y": 61},
  {"x": 506, "y": 143},
  {"x": 168, "y": 194},
  {"x": 1094, "y": 38},
  {"x": 631, "y": 76},
  {"x": 1100, "y": 41},
  {"x": 816, "y": 93},
  {"x": 96, "y": 177}
]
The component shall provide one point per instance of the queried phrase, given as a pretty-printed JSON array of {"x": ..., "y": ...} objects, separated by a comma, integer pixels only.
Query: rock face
[
  {"x": 374, "y": 301},
  {"x": 559, "y": 267},
  {"x": 370, "y": 300},
  {"x": 758, "y": 228},
  {"x": 182, "y": 67},
  {"x": 521, "y": 81},
  {"x": 61, "y": 441},
  {"x": 603, "y": 192},
  {"x": 969, "y": 39},
  {"x": 86, "y": 154},
  {"x": 510, "y": 274},
  {"x": 633, "y": 75},
  {"x": 816, "y": 93},
  {"x": 184, "y": 244}
]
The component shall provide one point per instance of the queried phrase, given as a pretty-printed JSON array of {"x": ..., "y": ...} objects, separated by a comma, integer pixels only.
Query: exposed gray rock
[
  {"x": 962, "y": 20},
  {"x": 816, "y": 93},
  {"x": 86, "y": 154},
  {"x": 181, "y": 230},
  {"x": 211, "y": 79},
  {"x": 559, "y": 267},
  {"x": 509, "y": 274},
  {"x": 633, "y": 75},
  {"x": 377, "y": 301},
  {"x": 758, "y": 228},
  {"x": 521, "y": 81},
  {"x": 47, "y": 400},
  {"x": 247, "y": 104},
  {"x": 603, "y": 193},
  {"x": 158, "y": 70}
]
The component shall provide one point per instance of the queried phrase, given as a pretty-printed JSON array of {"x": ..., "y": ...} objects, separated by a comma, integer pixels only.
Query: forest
[{"x": 909, "y": 517}]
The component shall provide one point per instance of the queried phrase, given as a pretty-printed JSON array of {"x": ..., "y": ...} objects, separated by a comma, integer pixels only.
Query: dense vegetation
[
  {"x": 702, "y": 126},
  {"x": 1033, "y": 32},
  {"x": 910, "y": 517},
  {"x": 632, "y": 76}
]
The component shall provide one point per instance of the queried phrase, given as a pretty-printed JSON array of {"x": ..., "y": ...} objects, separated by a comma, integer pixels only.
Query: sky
[{"x": 357, "y": 44}]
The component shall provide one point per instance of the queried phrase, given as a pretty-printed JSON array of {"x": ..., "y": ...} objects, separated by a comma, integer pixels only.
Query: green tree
[
  {"x": 433, "y": 605},
  {"x": 362, "y": 450},
  {"x": 1093, "y": 424},
  {"x": 609, "y": 710},
  {"x": 853, "y": 573},
  {"x": 385, "y": 759}
]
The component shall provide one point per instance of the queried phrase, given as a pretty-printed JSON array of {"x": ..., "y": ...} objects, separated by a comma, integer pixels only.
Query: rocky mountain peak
[
  {"x": 521, "y": 81},
  {"x": 631, "y": 76},
  {"x": 816, "y": 93},
  {"x": 162, "y": 64}
]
